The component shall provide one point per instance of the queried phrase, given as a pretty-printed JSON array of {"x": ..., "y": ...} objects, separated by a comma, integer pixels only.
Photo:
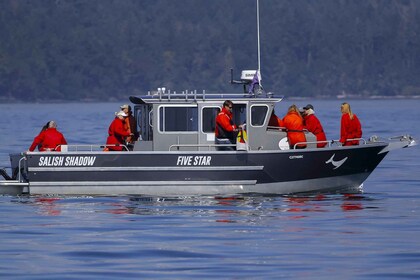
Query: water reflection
[
  {"x": 224, "y": 209},
  {"x": 48, "y": 206}
]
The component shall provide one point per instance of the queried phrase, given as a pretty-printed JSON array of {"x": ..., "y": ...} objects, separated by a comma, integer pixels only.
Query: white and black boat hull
[{"x": 201, "y": 173}]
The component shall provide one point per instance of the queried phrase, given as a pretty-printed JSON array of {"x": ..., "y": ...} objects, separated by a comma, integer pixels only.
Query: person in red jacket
[
  {"x": 225, "y": 131},
  {"x": 275, "y": 121},
  {"x": 49, "y": 139},
  {"x": 312, "y": 124},
  {"x": 350, "y": 126},
  {"x": 293, "y": 122},
  {"x": 117, "y": 133}
]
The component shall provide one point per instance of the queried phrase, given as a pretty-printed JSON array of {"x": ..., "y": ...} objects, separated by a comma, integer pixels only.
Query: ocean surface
[{"x": 371, "y": 235}]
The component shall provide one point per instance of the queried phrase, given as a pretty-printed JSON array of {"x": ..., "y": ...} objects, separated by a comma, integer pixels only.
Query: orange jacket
[{"x": 294, "y": 127}]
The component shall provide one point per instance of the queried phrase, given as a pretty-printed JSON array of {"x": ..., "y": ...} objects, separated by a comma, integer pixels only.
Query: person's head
[
  {"x": 293, "y": 108},
  {"x": 228, "y": 105},
  {"x": 308, "y": 109},
  {"x": 345, "y": 109},
  {"x": 52, "y": 124},
  {"x": 121, "y": 115},
  {"x": 126, "y": 108}
]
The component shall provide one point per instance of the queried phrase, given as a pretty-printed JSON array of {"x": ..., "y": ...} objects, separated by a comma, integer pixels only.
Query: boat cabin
[{"x": 186, "y": 121}]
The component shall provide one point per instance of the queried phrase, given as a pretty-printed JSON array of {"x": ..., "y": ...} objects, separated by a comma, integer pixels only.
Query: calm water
[{"x": 374, "y": 235}]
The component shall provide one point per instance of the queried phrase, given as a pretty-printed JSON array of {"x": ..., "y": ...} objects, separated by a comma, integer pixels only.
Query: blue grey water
[{"x": 372, "y": 235}]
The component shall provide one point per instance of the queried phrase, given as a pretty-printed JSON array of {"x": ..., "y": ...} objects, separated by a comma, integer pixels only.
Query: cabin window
[
  {"x": 258, "y": 114},
  {"x": 239, "y": 113},
  {"x": 209, "y": 119},
  {"x": 176, "y": 119}
]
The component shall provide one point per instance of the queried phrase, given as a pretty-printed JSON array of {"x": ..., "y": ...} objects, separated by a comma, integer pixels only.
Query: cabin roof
[{"x": 193, "y": 97}]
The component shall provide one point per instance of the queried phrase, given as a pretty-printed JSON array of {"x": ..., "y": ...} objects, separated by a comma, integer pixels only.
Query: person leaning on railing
[
  {"x": 293, "y": 122},
  {"x": 312, "y": 124},
  {"x": 117, "y": 133},
  {"x": 49, "y": 139},
  {"x": 350, "y": 126}
]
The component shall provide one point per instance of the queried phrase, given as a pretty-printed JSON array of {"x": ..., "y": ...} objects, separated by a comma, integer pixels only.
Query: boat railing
[
  {"x": 19, "y": 173},
  {"x": 279, "y": 128},
  {"x": 329, "y": 142},
  {"x": 187, "y": 95},
  {"x": 89, "y": 148},
  {"x": 177, "y": 146}
]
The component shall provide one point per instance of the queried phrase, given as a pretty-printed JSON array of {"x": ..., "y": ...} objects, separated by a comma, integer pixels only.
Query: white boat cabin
[{"x": 186, "y": 122}]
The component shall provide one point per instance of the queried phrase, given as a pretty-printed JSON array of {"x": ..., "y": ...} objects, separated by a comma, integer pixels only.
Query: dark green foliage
[{"x": 106, "y": 49}]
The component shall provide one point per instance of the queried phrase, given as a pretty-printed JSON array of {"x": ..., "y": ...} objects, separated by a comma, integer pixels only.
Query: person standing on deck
[
  {"x": 350, "y": 126},
  {"x": 117, "y": 133},
  {"x": 130, "y": 124},
  {"x": 49, "y": 139},
  {"x": 312, "y": 124},
  {"x": 275, "y": 121},
  {"x": 293, "y": 122}
]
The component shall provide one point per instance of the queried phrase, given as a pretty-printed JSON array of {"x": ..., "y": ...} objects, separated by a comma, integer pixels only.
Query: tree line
[{"x": 111, "y": 49}]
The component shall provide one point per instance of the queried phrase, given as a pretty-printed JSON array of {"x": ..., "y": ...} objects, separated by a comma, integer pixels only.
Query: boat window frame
[
  {"x": 266, "y": 114},
  {"x": 202, "y": 117},
  {"x": 175, "y": 106}
]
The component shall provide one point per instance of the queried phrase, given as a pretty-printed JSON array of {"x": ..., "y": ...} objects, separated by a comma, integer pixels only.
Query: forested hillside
[{"x": 105, "y": 49}]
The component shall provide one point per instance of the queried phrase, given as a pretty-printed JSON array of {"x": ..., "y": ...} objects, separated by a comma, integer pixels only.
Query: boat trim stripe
[
  {"x": 142, "y": 183},
  {"x": 148, "y": 168}
]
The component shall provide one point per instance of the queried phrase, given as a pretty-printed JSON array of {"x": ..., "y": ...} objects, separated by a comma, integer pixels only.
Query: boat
[{"x": 177, "y": 155}]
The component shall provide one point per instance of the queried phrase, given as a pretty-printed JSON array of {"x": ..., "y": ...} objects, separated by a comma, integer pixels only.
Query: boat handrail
[
  {"x": 19, "y": 166},
  {"x": 329, "y": 142},
  {"x": 200, "y": 146},
  {"x": 284, "y": 129},
  {"x": 280, "y": 128},
  {"x": 90, "y": 147},
  {"x": 158, "y": 96}
]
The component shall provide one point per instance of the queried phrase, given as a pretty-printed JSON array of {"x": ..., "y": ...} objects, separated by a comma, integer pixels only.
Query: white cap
[
  {"x": 125, "y": 106},
  {"x": 121, "y": 113}
]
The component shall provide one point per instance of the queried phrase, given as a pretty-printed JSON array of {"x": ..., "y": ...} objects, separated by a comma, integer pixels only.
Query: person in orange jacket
[
  {"x": 225, "y": 131},
  {"x": 130, "y": 124},
  {"x": 117, "y": 133},
  {"x": 350, "y": 126},
  {"x": 49, "y": 139},
  {"x": 312, "y": 124},
  {"x": 293, "y": 122}
]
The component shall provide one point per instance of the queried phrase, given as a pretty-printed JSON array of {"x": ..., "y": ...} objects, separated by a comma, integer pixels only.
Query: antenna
[{"x": 258, "y": 36}]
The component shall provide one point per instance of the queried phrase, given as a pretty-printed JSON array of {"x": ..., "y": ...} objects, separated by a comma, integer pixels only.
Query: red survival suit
[
  {"x": 350, "y": 129},
  {"x": 225, "y": 127},
  {"x": 116, "y": 135},
  {"x": 294, "y": 125},
  {"x": 275, "y": 121},
  {"x": 49, "y": 139},
  {"x": 313, "y": 125}
]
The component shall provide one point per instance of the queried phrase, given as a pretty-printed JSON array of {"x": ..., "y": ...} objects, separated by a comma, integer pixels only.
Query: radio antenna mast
[{"x": 258, "y": 36}]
